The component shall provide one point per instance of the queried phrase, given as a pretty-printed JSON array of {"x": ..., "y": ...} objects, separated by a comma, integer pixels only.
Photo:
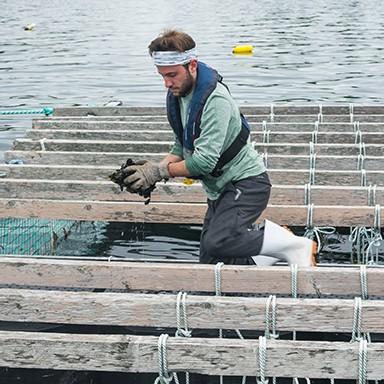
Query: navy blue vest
[{"x": 206, "y": 82}]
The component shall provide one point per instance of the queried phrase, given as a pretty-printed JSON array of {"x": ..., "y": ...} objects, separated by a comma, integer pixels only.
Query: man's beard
[{"x": 187, "y": 86}]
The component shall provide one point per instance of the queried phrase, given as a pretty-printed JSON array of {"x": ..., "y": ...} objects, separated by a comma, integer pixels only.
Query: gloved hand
[{"x": 144, "y": 175}]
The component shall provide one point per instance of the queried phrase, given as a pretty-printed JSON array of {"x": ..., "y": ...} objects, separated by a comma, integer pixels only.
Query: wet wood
[
  {"x": 172, "y": 192},
  {"x": 321, "y": 282},
  {"x": 277, "y": 176},
  {"x": 323, "y": 162},
  {"x": 187, "y": 213},
  {"x": 167, "y": 135},
  {"x": 164, "y": 146},
  {"x": 160, "y": 123},
  {"x": 123, "y": 353},
  {"x": 203, "y": 312}
]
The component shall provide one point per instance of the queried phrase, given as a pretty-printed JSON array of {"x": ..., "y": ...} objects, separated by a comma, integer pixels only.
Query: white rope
[
  {"x": 181, "y": 316},
  {"x": 363, "y": 282},
  {"x": 314, "y": 137},
  {"x": 312, "y": 160},
  {"x": 363, "y": 178},
  {"x": 377, "y": 220},
  {"x": 320, "y": 118},
  {"x": 311, "y": 148},
  {"x": 371, "y": 199},
  {"x": 307, "y": 194},
  {"x": 316, "y": 232},
  {"x": 262, "y": 360},
  {"x": 316, "y": 129},
  {"x": 312, "y": 176},
  {"x": 358, "y": 137},
  {"x": 356, "y": 126},
  {"x": 294, "y": 270},
  {"x": 363, "y": 361},
  {"x": 360, "y": 161},
  {"x": 321, "y": 108},
  {"x": 42, "y": 143},
  {"x": 266, "y": 135},
  {"x": 270, "y": 318},
  {"x": 272, "y": 115},
  {"x": 362, "y": 150},
  {"x": 351, "y": 112},
  {"x": 164, "y": 376},
  {"x": 264, "y": 125},
  {"x": 356, "y": 324},
  {"x": 265, "y": 158},
  {"x": 182, "y": 324}
]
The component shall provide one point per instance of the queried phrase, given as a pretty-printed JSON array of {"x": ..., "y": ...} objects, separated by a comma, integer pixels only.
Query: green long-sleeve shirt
[{"x": 220, "y": 124}]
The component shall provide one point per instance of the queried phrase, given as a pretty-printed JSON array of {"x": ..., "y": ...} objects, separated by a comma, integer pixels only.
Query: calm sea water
[{"x": 84, "y": 52}]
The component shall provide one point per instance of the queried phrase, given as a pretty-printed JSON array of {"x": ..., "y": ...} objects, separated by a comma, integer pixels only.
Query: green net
[{"x": 32, "y": 236}]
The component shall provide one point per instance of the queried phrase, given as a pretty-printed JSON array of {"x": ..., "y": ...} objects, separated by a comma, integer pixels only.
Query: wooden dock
[
  {"x": 34, "y": 298},
  {"x": 326, "y": 165},
  {"x": 325, "y": 158}
]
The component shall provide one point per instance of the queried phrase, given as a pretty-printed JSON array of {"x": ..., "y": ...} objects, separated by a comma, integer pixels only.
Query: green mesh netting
[{"x": 32, "y": 236}]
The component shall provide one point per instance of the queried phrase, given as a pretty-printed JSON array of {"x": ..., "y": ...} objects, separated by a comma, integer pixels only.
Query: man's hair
[{"x": 172, "y": 40}]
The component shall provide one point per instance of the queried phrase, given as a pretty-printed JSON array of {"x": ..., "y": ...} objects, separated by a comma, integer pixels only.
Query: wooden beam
[
  {"x": 320, "y": 282},
  {"x": 167, "y": 135},
  {"x": 255, "y": 109},
  {"x": 126, "y": 353},
  {"x": 172, "y": 192},
  {"x": 203, "y": 312},
  {"x": 102, "y": 172},
  {"x": 154, "y": 123},
  {"x": 163, "y": 146},
  {"x": 188, "y": 213},
  {"x": 323, "y": 162}
]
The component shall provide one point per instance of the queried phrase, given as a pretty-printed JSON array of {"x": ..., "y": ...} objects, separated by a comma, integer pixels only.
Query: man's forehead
[{"x": 167, "y": 69}]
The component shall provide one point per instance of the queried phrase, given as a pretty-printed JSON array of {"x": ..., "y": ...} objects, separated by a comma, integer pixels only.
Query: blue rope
[{"x": 44, "y": 111}]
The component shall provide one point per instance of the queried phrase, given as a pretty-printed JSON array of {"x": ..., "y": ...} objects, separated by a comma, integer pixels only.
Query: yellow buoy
[{"x": 243, "y": 49}]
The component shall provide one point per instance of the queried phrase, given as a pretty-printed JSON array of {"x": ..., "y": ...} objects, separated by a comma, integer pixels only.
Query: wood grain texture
[
  {"x": 131, "y": 276},
  {"x": 123, "y": 353}
]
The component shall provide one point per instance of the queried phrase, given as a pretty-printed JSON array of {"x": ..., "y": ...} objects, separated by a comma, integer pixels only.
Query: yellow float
[{"x": 243, "y": 50}]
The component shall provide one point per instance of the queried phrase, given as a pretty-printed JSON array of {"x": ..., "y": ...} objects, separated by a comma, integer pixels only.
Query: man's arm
[{"x": 176, "y": 165}]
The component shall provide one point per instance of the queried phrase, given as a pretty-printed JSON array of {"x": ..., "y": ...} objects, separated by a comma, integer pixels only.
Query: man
[{"x": 212, "y": 143}]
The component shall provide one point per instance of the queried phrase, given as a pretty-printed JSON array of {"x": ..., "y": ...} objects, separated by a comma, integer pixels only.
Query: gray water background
[{"x": 89, "y": 52}]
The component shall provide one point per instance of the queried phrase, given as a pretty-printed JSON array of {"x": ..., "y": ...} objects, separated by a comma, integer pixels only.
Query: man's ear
[{"x": 193, "y": 66}]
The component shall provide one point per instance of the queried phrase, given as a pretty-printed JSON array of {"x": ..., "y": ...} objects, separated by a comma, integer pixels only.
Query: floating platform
[
  {"x": 326, "y": 165},
  {"x": 328, "y": 159}
]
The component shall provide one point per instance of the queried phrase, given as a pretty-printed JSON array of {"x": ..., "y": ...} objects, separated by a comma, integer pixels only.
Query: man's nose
[{"x": 167, "y": 83}]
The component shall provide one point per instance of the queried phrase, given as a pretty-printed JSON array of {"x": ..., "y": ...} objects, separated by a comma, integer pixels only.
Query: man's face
[{"x": 179, "y": 79}]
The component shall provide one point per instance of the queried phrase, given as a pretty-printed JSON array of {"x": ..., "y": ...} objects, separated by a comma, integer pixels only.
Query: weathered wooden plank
[
  {"x": 203, "y": 312},
  {"x": 255, "y": 109},
  {"x": 179, "y": 193},
  {"x": 277, "y": 176},
  {"x": 126, "y": 353},
  {"x": 188, "y": 213},
  {"x": 92, "y": 145},
  {"x": 154, "y": 123},
  {"x": 320, "y": 281},
  {"x": 163, "y": 146},
  {"x": 323, "y": 162},
  {"x": 67, "y": 158},
  {"x": 167, "y": 135}
]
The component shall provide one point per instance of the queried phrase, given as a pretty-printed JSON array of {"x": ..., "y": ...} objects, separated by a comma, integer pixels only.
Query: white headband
[{"x": 163, "y": 58}]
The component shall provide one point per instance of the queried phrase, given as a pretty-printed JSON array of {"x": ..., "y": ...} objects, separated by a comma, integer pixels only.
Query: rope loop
[
  {"x": 363, "y": 282},
  {"x": 266, "y": 135},
  {"x": 314, "y": 136},
  {"x": 320, "y": 118},
  {"x": 270, "y": 318},
  {"x": 316, "y": 128},
  {"x": 362, "y": 150},
  {"x": 265, "y": 159},
  {"x": 42, "y": 143},
  {"x": 356, "y": 126},
  {"x": 312, "y": 160},
  {"x": 360, "y": 161},
  {"x": 218, "y": 268},
  {"x": 181, "y": 316},
  {"x": 312, "y": 148},
  {"x": 264, "y": 125},
  {"x": 307, "y": 194},
  {"x": 272, "y": 114},
  {"x": 312, "y": 176},
  {"x": 356, "y": 324},
  {"x": 363, "y": 361},
  {"x": 358, "y": 137},
  {"x": 262, "y": 360},
  {"x": 164, "y": 376},
  {"x": 363, "y": 178},
  {"x": 371, "y": 199}
]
